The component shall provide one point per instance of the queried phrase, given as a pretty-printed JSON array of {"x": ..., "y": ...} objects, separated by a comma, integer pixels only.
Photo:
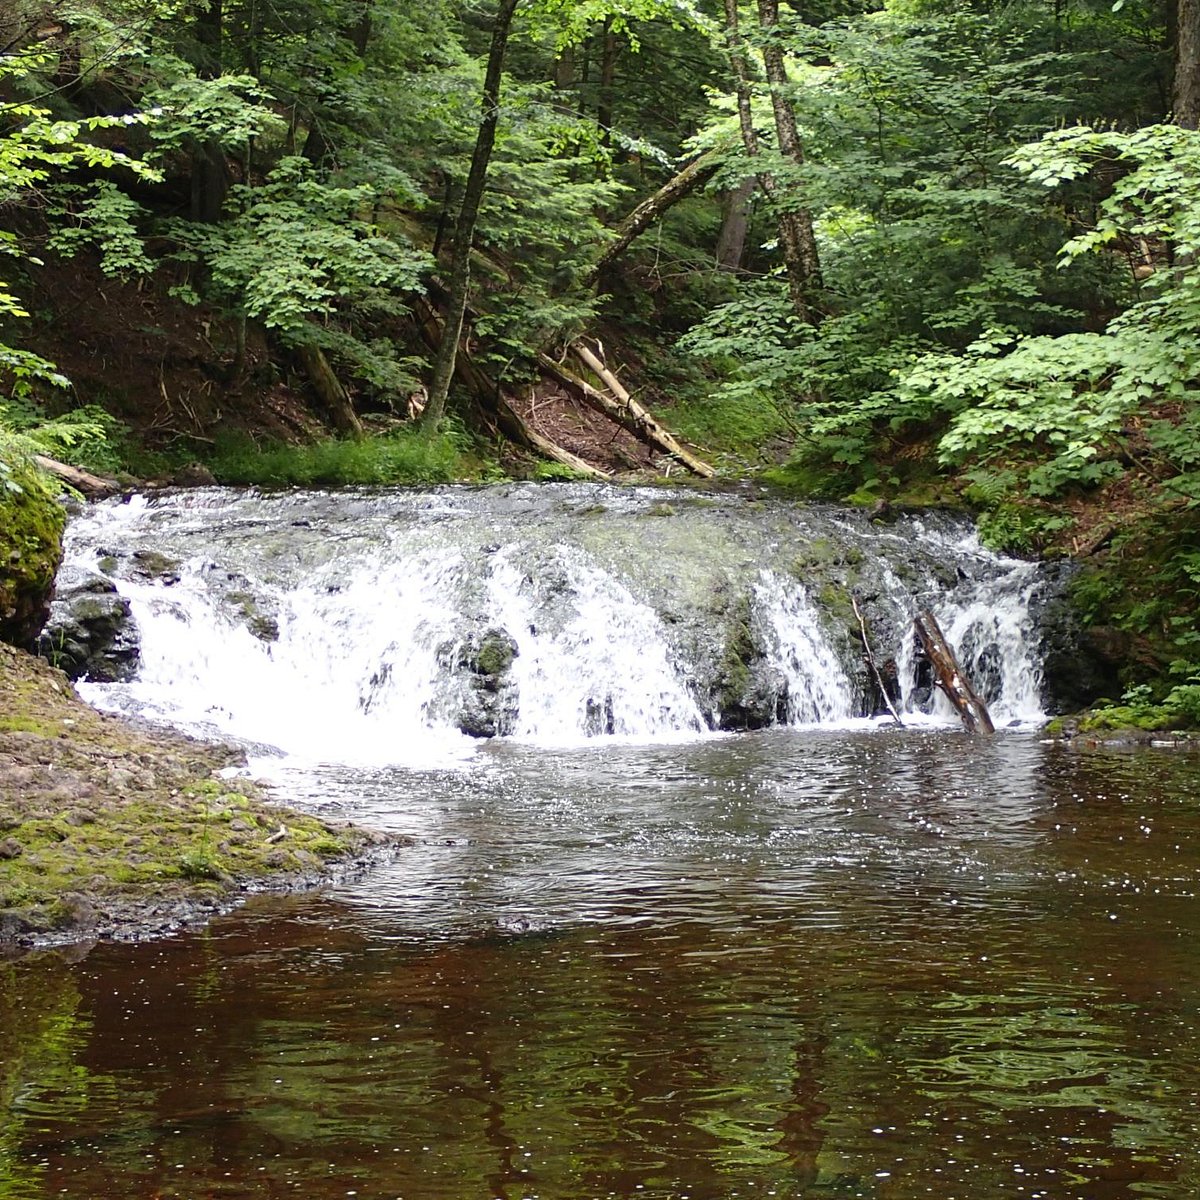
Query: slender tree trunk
[
  {"x": 1185, "y": 90},
  {"x": 564, "y": 69},
  {"x": 210, "y": 173},
  {"x": 731, "y": 245},
  {"x": 468, "y": 216},
  {"x": 606, "y": 102},
  {"x": 790, "y": 234},
  {"x": 788, "y": 135}
]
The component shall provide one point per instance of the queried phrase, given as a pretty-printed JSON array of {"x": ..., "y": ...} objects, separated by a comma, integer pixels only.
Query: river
[{"x": 832, "y": 958}]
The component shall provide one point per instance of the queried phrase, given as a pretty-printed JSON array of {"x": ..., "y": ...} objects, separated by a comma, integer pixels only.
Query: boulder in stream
[{"x": 91, "y": 633}]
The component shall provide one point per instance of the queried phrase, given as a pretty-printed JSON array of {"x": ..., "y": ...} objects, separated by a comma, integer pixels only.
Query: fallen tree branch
[
  {"x": 620, "y": 407},
  {"x": 694, "y": 175},
  {"x": 950, "y": 677},
  {"x": 489, "y": 396},
  {"x": 866, "y": 641},
  {"x": 91, "y": 486}
]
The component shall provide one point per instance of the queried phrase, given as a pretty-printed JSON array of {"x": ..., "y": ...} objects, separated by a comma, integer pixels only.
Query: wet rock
[
  {"x": 151, "y": 564},
  {"x": 750, "y": 692},
  {"x": 194, "y": 475},
  {"x": 31, "y": 526},
  {"x": 91, "y": 633},
  {"x": 1080, "y": 666},
  {"x": 488, "y": 706}
]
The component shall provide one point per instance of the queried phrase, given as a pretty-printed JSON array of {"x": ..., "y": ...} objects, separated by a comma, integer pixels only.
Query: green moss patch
[{"x": 97, "y": 816}]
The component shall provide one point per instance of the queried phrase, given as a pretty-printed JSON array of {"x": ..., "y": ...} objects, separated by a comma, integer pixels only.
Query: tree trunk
[
  {"x": 790, "y": 234},
  {"x": 1185, "y": 90},
  {"x": 94, "y": 487},
  {"x": 731, "y": 245},
  {"x": 329, "y": 389},
  {"x": 606, "y": 102},
  {"x": 695, "y": 175},
  {"x": 950, "y": 678},
  {"x": 468, "y": 216},
  {"x": 788, "y": 137},
  {"x": 508, "y": 421}
]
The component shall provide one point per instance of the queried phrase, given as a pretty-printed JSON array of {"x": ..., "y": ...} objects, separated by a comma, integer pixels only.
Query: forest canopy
[{"x": 855, "y": 243}]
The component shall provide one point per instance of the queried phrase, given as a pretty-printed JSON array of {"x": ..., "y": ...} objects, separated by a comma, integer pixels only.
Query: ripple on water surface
[{"x": 883, "y": 965}]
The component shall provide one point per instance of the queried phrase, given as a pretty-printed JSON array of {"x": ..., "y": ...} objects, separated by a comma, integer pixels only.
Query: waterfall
[
  {"x": 818, "y": 689},
  {"x": 388, "y": 626}
]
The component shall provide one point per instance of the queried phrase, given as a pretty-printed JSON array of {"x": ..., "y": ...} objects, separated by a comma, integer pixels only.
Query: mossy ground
[
  {"x": 31, "y": 526},
  {"x": 108, "y": 827}
]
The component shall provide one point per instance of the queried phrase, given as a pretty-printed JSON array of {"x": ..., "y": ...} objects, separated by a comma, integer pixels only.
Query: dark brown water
[{"x": 792, "y": 964}]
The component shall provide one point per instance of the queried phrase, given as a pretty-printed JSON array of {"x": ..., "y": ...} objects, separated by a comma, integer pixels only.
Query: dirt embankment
[{"x": 113, "y": 830}]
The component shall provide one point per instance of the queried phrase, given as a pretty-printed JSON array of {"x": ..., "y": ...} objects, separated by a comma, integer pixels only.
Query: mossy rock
[{"x": 31, "y": 529}]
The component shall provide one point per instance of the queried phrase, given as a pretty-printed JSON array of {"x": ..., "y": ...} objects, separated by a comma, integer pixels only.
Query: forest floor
[{"x": 116, "y": 830}]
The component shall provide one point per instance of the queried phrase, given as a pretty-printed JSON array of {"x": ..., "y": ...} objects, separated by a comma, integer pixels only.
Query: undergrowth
[{"x": 402, "y": 457}]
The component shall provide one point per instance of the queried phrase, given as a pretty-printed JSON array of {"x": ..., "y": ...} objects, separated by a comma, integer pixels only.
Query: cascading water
[{"x": 385, "y": 626}]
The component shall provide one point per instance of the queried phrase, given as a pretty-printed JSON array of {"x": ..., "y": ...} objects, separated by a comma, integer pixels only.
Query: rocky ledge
[{"x": 108, "y": 829}]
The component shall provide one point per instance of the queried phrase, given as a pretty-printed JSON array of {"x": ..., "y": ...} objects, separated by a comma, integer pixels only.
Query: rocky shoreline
[{"x": 114, "y": 830}]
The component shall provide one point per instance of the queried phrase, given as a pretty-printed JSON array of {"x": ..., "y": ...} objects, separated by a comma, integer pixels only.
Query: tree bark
[
  {"x": 790, "y": 233},
  {"x": 788, "y": 136},
  {"x": 1185, "y": 89},
  {"x": 950, "y": 678},
  {"x": 329, "y": 389},
  {"x": 94, "y": 487},
  {"x": 731, "y": 245},
  {"x": 606, "y": 102},
  {"x": 695, "y": 175},
  {"x": 468, "y": 216}
]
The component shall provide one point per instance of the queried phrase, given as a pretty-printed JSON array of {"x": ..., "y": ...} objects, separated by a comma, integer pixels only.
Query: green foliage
[
  {"x": 295, "y": 249},
  {"x": 406, "y": 457},
  {"x": 102, "y": 216},
  {"x": 230, "y": 110},
  {"x": 1178, "y": 709}
]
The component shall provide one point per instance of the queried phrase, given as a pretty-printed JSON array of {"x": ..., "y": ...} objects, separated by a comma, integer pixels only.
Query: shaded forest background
[{"x": 919, "y": 252}]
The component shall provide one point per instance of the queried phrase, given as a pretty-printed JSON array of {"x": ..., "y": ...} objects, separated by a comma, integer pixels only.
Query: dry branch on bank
[
  {"x": 619, "y": 406},
  {"x": 92, "y": 486}
]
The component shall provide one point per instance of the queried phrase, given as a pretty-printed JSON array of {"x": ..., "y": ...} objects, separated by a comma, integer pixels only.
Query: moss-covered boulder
[{"x": 31, "y": 528}]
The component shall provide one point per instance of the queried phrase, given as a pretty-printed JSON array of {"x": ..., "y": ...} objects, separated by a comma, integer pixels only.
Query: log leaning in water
[{"x": 950, "y": 677}]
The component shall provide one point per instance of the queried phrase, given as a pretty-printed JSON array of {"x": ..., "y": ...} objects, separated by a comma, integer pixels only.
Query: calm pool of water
[{"x": 882, "y": 965}]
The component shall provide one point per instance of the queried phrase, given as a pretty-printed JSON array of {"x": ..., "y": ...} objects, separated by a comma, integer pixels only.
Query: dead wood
[
  {"x": 329, "y": 389},
  {"x": 91, "y": 486},
  {"x": 620, "y": 406},
  {"x": 488, "y": 395},
  {"x": 950, "y": 677},
  {"x": 866, "y": 641}
]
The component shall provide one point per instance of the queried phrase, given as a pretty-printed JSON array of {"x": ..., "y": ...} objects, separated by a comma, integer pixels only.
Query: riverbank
[{"x": 114, "y": 830}]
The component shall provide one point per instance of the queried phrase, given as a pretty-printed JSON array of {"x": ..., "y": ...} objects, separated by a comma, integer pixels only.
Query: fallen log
[
  {"x": 949, "y": 676},
  {"x": 91, "y": 486},
  {"x": 693, "y": 176},
  {"x": 620, "y": 406},
  {"x": 866, "y": 641},
  {"x": 488, "y": 394},
  {"x": 329, "y": 389}
]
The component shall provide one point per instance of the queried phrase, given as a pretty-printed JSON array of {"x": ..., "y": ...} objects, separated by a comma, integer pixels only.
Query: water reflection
[{"x": 846, "y": 965}]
